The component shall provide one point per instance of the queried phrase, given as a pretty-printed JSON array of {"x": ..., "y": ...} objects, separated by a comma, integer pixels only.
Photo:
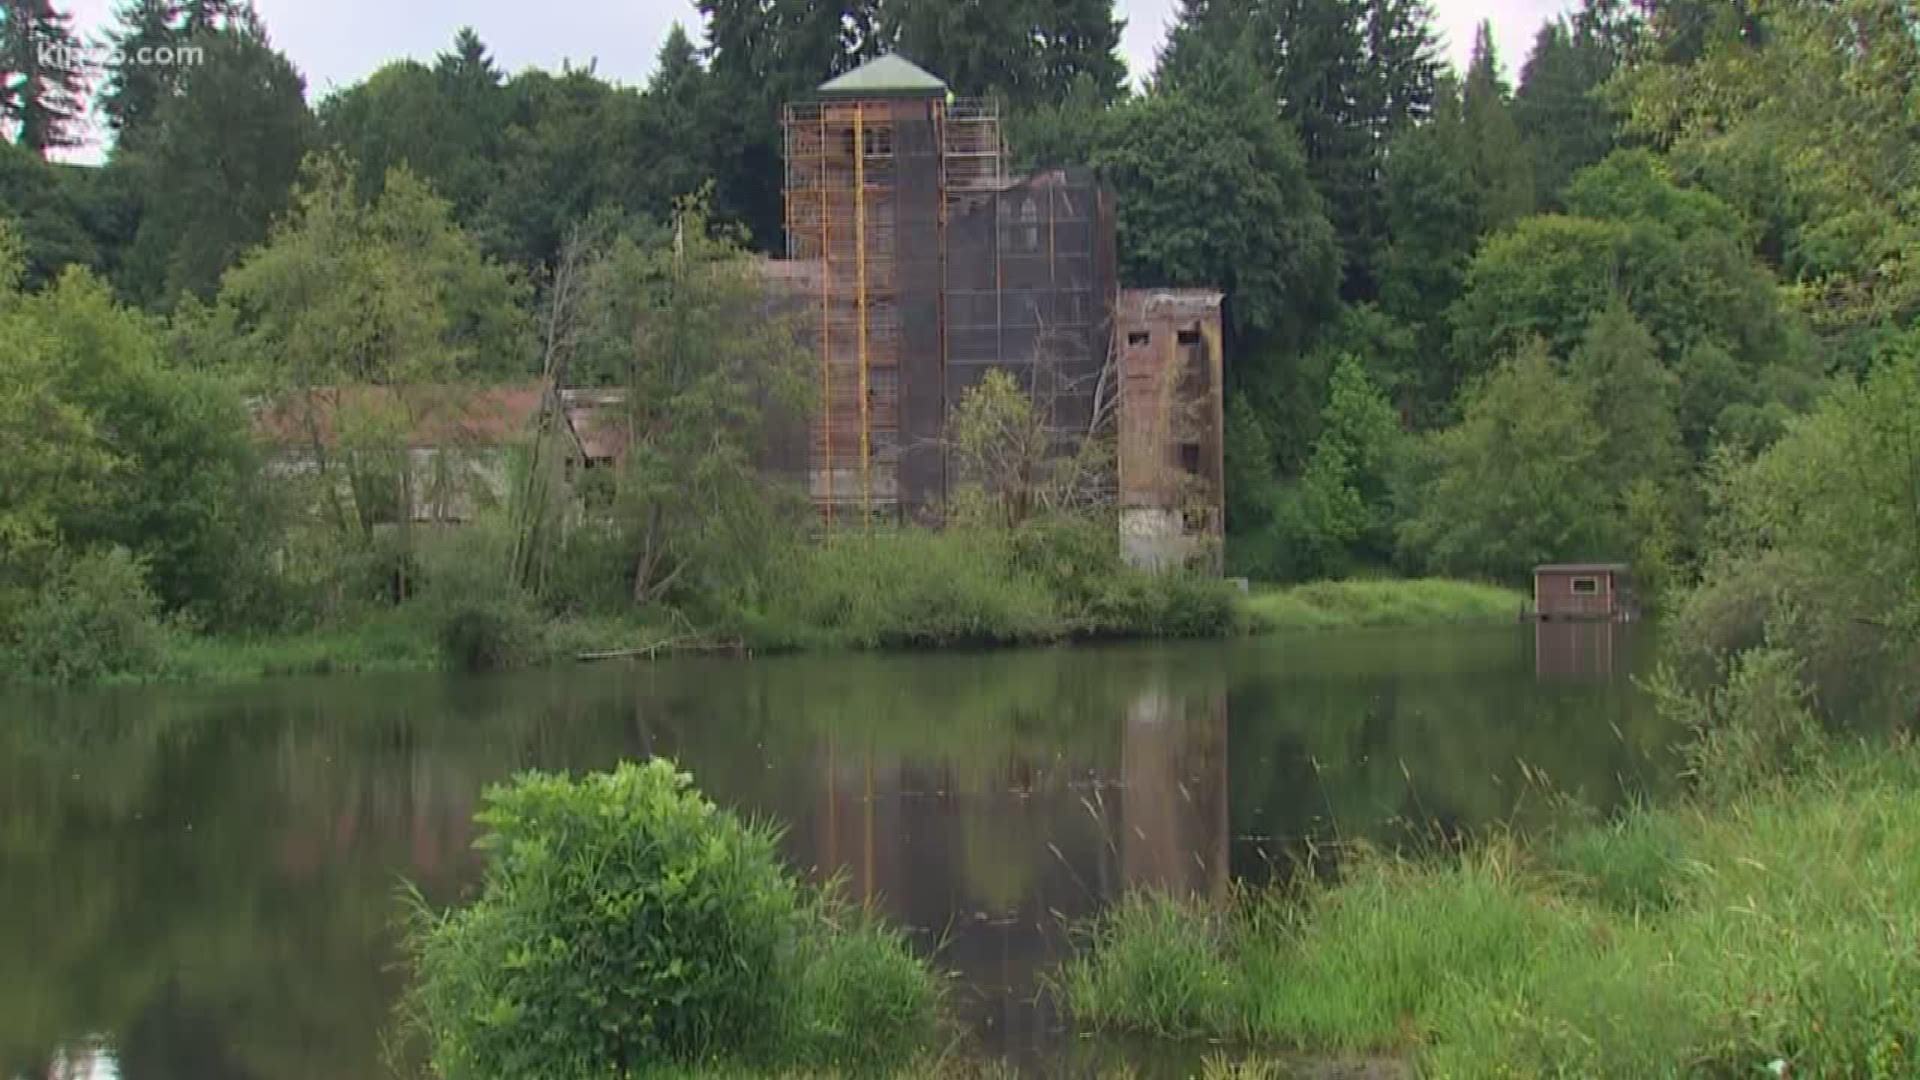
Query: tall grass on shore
[
  {"x": 1771, "y": 921},
  {"x": 1338, "y": 605},
  {"x": 1043, "y": 582}
]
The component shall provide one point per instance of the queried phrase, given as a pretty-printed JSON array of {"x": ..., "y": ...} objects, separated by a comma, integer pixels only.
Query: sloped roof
[
  {"x": 445, "y": 417},
  {"x": 442, "y": 416},
  {"x": 891, "y": 75}
]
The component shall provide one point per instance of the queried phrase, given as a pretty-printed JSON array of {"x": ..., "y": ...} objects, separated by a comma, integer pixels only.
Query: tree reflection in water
[{"x": 201, "y": 884}]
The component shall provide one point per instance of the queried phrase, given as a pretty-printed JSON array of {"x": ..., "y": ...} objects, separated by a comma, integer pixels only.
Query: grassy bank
[
  {"x": 914, "y": 588},
  {"x": 1712, "y": 938},
  {"x": 1339, "y": 605},
  {"x": 402, "y": 640}
]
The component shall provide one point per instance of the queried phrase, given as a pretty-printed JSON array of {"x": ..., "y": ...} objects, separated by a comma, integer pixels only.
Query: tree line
[{"x": 1474, "y": 324}]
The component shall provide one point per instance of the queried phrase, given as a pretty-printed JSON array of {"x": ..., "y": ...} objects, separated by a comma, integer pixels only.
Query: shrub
[
  {"x": 1175, "y": 604},
  {"x": 1754, "y": 728},
  {"x": 480, "y": 620},
  {"x": 909, "y": 587},
  {"x": 623, "y": 921},
  {"x": 626, "y": 926},
  {"x": 95, "y": 620}
]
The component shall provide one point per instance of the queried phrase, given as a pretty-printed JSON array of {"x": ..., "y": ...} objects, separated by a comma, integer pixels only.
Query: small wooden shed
[{"x": 1583, "y": 591}]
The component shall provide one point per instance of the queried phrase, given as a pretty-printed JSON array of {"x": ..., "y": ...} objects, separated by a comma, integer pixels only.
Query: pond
[{"x": 202, "y": 884}]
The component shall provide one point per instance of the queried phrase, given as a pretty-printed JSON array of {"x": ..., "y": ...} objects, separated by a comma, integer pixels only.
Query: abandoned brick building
[{"x": 923, "y": 265}]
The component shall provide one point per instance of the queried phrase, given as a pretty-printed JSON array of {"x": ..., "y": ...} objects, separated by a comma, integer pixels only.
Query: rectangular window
[
  {"x": 1138, "y": 337},
  {"x": 1190, "y": 337},
  {"x": 1190, "y": 457},
  {"x": 1586, "y": 586}
]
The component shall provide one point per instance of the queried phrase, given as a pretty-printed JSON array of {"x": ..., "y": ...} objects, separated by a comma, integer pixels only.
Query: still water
[{"x": 200, "y": 885}]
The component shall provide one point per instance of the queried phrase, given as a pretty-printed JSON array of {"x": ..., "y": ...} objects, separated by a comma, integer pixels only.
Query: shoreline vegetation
[
  {"x": 1765, "y": 922},
  {"x": 1772, "y": 929},
  {"x": 415, "y": 638}
]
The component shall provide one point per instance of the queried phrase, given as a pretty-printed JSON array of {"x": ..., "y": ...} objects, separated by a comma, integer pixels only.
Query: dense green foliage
[
  {"x": 1766, "y": 921},
  {"x": 626, "y": 924},
  {"x": 1472, "y": 324},
  {"x": 1051, "y": 579}
]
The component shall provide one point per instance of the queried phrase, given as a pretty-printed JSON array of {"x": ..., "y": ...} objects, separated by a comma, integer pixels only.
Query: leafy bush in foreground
[{"x": 625, "y": 924}]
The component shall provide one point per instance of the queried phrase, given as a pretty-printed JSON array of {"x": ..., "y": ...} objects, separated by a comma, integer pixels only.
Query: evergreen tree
[
  {"x": 217, "y": 165},
  {"x": 468, "y": 68},
  {"x": 212, "y": 16},
  {"x": 133, "y": 91},
  {"x": 1079, "y": 46},
  {"x": 1347, "y": 74},
  {"x": 678, "y": 111},
  {"x": 979, "y": 49},
  {"x": 763, "y": 54},
  {"x": 1500, "y": 158},
  {"x": 43, "y": 76},
  {"x": 1558, "y": 109},
  {"x": 1435, "y": 215}
]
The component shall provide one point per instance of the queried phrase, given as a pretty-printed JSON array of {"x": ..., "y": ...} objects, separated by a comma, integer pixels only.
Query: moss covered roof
[{"x": 891, "y": 75}]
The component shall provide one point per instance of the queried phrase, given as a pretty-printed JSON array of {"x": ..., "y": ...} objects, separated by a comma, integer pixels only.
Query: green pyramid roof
[{"x": 891, "y": 75}]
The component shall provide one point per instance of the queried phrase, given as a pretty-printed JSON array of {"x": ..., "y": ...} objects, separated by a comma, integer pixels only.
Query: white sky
[{"x": 336, "y": 43}]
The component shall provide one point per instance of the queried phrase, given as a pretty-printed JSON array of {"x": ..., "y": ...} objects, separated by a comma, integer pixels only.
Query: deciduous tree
[{"x": 1516, "y": 482}]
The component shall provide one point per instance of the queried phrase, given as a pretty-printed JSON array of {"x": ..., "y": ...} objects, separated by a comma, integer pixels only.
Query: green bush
[
  {"x": 906, "y": 587},
  {"x": 623, "y": 921},
  {"x": 625, "y": 925},
  {"x": 1756, "y": 727},
  {"x": 480, "y": 619},
  {"x": 96, "y": 620},
  {"x": 1177, "y": 604}
]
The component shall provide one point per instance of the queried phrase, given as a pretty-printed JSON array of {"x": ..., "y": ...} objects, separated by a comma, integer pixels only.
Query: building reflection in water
[
  {"x": 1578, "y": 649},
  {"x": 990, "y": 865}
]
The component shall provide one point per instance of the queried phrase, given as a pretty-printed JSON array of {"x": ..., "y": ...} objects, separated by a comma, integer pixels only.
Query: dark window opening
[
  {"x": 1190, "y": 337},
  {"x": 1139, "y": 337},
  {"x": 1586, "y": 586},
  {"x": 878, "y": 141},
  {"x": 1190, "y": 457}
]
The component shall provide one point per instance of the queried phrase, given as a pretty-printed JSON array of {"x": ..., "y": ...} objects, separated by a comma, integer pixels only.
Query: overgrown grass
[
  {"x": 1339, "y": 605},
  {"x": 399, "y": 640},
  {"x": 1710, "y": 938},
  {"x": 916, "y": 588}
]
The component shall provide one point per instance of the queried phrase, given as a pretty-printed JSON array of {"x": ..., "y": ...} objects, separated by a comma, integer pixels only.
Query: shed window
[
  {"x": 1190, "y": 337},
  {"x": 1586, "y": 586},
  {"x": 1139, "y": 337},
  {"x": 1190, "y": 457}
]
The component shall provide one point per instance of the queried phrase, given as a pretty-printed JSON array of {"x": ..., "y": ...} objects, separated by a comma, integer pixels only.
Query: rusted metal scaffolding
[{"x": 868, "y": 187}]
